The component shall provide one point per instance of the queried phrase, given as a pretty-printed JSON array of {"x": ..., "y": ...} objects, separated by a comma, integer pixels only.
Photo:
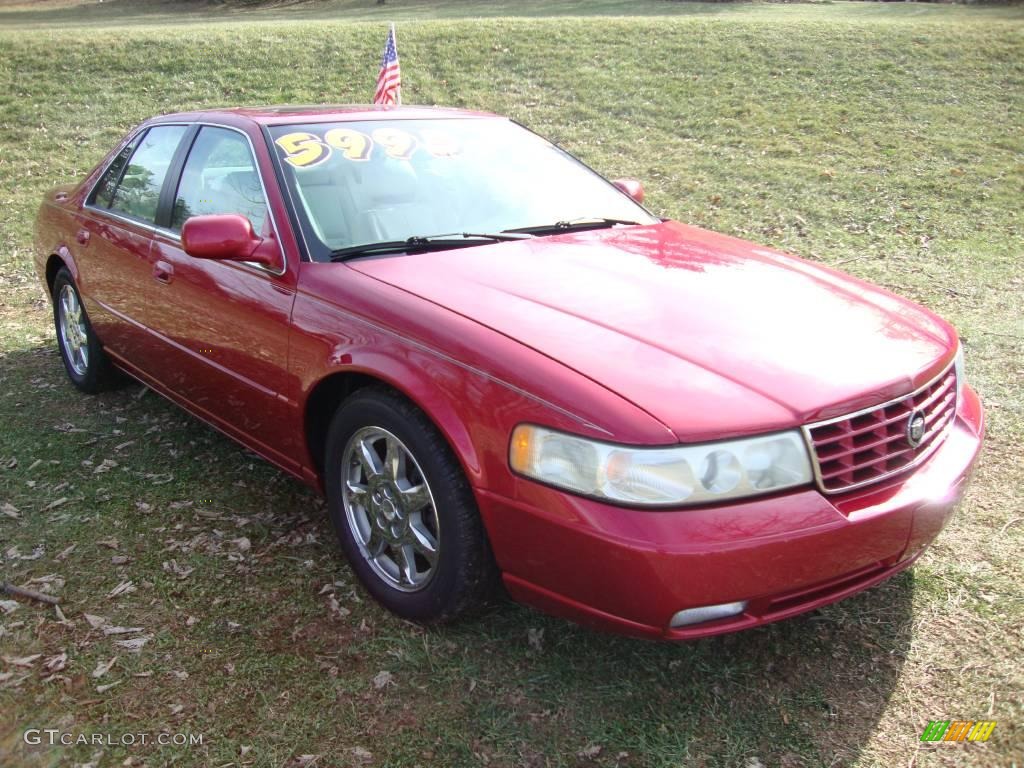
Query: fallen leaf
[
  {"x": 105, "y": 466},
  {"x": 103, "y": 667},
  {"x": 108, "y": 630},
  {"x": 535, "y": 637},
  {"x": 55, "y": 504},
  {"x": 65, "y": 552},
  {"x": 243, "y": 544},
  {"x": 335, "y": 608},
  {"x": 22, "y": 661},
  {"x": 9, "y": 606},
  {"x": 56, "y": 663},
  {"x": 181, "y": 571},
  {"x": 383, "y": 679},
  {"x": 135, "y": 644},
  {"x": 361, "y": 755},
  {"x": 590, "y": 752},
  {"x": 96, "y": 622},
  {"x": 119, "y": 559},
  {"x": 109, "y": 543},
  {"x": 10, "y": 510},
  {"x": 107, "y": 687},
  {"x": 122, "y": 588},
  {"x": 305, "y": 761}
]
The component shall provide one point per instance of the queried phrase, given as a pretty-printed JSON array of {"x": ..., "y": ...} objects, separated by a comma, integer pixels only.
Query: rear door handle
[
  {"x": 82, "y": 237},
  {"x": 163, "y": 271}
]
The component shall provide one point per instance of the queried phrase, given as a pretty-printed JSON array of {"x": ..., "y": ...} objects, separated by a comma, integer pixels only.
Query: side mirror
[
  {"x": 631, "y": 187},
  {"x": 228, "y": 237}
]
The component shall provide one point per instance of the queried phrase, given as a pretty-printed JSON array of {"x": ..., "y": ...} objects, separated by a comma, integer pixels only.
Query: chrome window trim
[
  {"x": 175, "y": 236},
  {"x": 917, "y": 460},
  {"x": 129, "y": 220}
]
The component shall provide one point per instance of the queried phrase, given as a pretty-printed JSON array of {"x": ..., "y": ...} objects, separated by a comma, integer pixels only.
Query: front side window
[
  {"x": 220, "y": 176},
  {"x": 387, "y": 180},
  {"x": 138, "y": 193},
  {"x": 103, "y": 192}
]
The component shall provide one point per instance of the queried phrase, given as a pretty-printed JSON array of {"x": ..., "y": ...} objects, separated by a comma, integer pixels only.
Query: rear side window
[
  {"x": 103, "y": 192},
  {"x": 138, "y": 193},
  {"x": 220, "y": 176}
]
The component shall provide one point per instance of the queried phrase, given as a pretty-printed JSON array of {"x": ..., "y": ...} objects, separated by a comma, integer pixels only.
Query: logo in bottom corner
[{"x": 958, "y": 730}]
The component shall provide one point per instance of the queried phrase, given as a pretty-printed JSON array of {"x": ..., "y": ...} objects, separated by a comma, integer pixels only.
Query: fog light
[{"x": 707, "y": 613}]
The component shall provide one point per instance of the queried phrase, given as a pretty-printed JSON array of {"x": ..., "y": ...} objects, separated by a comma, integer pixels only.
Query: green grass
[
  {"x": 149, "y": 12},
  {"x": 885, "y": 139}
]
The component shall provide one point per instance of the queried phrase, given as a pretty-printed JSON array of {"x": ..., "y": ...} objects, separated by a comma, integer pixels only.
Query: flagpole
[{"x": 395, "y": 41}]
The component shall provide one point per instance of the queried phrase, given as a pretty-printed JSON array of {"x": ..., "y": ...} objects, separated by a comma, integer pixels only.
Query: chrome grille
[{"x": 870, "y": 445}]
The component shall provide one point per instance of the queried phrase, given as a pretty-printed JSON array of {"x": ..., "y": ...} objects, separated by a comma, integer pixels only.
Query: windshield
[{"x": 356, "y": 183}]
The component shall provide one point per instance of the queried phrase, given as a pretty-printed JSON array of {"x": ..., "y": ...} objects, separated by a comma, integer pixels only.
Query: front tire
[
  {"x": 403, "y": 510},
  {"x": 84, "y": 360}
]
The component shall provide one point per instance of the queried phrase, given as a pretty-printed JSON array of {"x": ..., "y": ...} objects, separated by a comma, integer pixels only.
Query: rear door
[
  {"x": 225, "y": 325},
  {"x": 114, "y": 239}
]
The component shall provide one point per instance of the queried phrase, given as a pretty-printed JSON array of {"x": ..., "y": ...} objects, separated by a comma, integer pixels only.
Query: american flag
[{"x": 389, "y": 81}]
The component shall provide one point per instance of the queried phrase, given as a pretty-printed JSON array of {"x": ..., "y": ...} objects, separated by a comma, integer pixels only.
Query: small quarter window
[
  {"x": 103, "y": 193},
  {"x": 138, "y": 193},
  {"x": 220, "y": 177}
]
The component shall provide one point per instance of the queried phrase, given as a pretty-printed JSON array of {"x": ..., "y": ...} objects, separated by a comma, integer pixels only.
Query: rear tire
[
  {"x": 84, "y": 360},
  {"x": 403, "y": 510}
]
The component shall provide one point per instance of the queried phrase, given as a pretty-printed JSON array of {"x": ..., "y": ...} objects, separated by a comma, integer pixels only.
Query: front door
[{"x": 225, "y": 324}]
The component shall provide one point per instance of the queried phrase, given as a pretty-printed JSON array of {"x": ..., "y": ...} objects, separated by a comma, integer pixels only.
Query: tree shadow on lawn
[{"x": 529, "y": 689}]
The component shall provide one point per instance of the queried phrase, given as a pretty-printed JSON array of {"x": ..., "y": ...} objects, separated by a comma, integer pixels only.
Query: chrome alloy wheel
[
  {"x": 390, "y": 509},
  {"x": 74, "y": 335}
]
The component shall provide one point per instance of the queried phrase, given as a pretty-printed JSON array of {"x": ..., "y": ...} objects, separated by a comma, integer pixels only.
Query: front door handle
[
  {"x": 82, "y": 236},
  {"x": 163, "y": 271}
]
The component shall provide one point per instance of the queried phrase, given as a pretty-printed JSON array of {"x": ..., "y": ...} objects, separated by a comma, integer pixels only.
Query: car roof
[{"x": 288, "y": 114}]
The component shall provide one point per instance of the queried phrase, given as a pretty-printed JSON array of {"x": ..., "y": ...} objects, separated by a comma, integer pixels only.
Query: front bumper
[{"x": 630, "y": 571}]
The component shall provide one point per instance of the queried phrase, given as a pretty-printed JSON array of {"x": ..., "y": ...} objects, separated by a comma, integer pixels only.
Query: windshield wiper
[
  {"x": 419, "y": 243},
  {"x": 584, "y": 222}
]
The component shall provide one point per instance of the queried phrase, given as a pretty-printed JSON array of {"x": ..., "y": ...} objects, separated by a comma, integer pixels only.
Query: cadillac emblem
[{"x": 915, "y": 429}]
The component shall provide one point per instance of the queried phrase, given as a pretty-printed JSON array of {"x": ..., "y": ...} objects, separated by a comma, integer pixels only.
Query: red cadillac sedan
[{"x": 497, "y": 365}]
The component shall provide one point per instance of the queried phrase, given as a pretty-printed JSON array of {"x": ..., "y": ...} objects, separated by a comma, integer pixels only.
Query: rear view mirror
[
  {"x": 228, "y": 237},
  {"x": 631, "y": 187}
]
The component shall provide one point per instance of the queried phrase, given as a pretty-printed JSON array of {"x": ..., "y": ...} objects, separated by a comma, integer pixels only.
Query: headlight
[
  {"x": 691, "y": 474},
  {"x": 961, "y": 376}
]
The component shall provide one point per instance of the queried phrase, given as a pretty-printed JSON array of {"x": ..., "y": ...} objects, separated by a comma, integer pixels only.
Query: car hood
[{"x": 712, "y": 335}]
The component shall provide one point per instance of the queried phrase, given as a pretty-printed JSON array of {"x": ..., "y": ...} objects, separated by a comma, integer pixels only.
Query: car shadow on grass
[
  {"x": 802, "y": 691},
  {"x": 507, "y": 686}
]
